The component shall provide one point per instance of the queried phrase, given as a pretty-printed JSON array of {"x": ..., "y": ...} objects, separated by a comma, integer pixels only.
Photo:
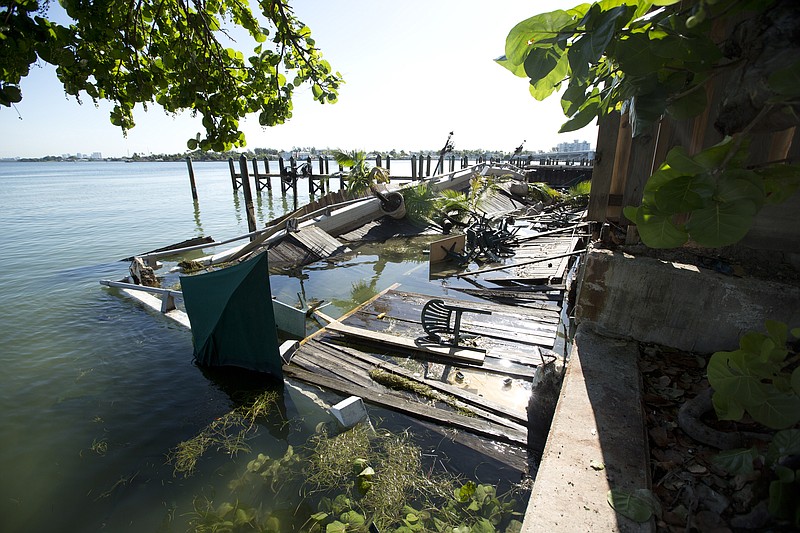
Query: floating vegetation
[
  {"x": 189, "y": 267},
  {"x": 351, "y": 481},
  {"x": 397, "y": 382},
  {"x": 100, "y": 447},
  {"x": 227, "y": 433}
]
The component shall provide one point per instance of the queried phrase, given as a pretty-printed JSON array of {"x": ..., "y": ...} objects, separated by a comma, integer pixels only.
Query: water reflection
[{"x": 197, "y": 222}]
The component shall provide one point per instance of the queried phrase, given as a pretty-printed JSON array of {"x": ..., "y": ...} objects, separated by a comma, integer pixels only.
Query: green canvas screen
[{"x": 232, "y": 320}]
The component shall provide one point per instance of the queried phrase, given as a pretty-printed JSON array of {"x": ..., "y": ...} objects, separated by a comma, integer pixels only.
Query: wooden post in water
[
  {"x": 378, "y": 160},
  {"x": 267, "y": 179},
  {"x": 282, "y": 171},
  {"x": 413, "y": 167},
  {"x": 388, "y": 162},
  {"x": 421, "y": 162},
  {"x": 428, "y": 167},
  {"x": 248, "y": 195},
  {"x": 233, "y": 174},
  {"x": 191, "y": 178}
]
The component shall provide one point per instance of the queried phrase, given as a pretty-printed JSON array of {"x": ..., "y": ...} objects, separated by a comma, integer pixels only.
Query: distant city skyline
[{"x": 413, "y": 72}]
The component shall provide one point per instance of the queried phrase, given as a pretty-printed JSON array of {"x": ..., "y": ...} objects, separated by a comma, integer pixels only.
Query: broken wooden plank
[
  {"x": 466, "y": 396},
  {"x": 522, "y": 263},
  {"x": 317, "y": 241},
  {"x": 456, "y": 353},
  {"x": 480, "y": 427}
]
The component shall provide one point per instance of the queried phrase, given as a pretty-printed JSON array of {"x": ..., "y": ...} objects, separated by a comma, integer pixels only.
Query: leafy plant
[
  {"x": 421, "y": 201},
  {"x": 360, "y": 178},
  {"x": 713, "y": 193},
  {"x": 170, "y": 53},
  {"x": 762, "y": 379},
  {"x": 654, "y": 58}
]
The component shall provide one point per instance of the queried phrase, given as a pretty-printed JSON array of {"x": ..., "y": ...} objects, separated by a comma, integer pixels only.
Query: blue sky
[{"x": 414, "y": 70}]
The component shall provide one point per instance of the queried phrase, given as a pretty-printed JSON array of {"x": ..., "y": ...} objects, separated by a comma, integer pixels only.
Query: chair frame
[{"x": 440, "y": 318}]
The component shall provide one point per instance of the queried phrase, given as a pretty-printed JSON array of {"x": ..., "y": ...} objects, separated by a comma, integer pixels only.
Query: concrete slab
[
  {"x": 678, "y": 305},
  {"x": 598, "y": 419}
]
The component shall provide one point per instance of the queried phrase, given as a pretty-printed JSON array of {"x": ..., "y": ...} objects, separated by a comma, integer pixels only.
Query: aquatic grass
[
  {"x": 228, "y": 433},
  {"x": 374, "y": 475},
  {"x": 398, "y": 382}
]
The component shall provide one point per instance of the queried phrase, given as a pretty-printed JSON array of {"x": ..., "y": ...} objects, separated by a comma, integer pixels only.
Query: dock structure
[{"x": 481, "y": 386}]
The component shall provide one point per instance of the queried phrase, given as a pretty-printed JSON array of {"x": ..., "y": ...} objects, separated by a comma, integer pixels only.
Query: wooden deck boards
[{"x": 516, "y": 340}]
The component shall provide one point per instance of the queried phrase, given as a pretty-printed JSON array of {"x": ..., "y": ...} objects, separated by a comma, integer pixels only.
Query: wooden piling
[
  {"x": 388, "y": 162},
  {"x": 233, "y": 174},
  {"x": 248, "y": 195},
  {"x": 413, "y": 167},
  {"x": 428, "y": 167},
  {"x": 421, "y": 162},
  {"x": 191, "y": 178}
]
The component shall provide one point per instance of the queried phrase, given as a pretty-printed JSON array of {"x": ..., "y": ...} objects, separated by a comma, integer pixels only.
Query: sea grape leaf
[
  {"x": 786, "y": 81},
  {"x": 720, "y": 224},
  {"x": 537, "y": 31},
  {"x": 656, "y": 230},
  {"x": 738, "y": 461},
  {"x": 743, "y": 186},
  {"x": 516, "y": 69},
  {"x": 785, "y": 442},
  {"x": 635, "y": 55},
  {"x": 585, "y": 114},
  {"x": 549, "y": 84},
  {"x": 684, "y": 193},
  {"x": 335, "y": 527},
  {"x": 780, "y": 181},
  {"x": 691, "y": 104},
  {"x": 727, "y": 408},
  {"x": 730, "y": 376},
  {"x": 779, "y": 410},
  {"x": 639, "y": 506},
  {"x": 679, "y": 159},
  {"x": 540, "y": 62}
]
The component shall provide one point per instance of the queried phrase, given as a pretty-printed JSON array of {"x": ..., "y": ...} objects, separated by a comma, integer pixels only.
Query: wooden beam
[
  {"x": 457, "y": 353},
  {"x": 607, "y": 134}
]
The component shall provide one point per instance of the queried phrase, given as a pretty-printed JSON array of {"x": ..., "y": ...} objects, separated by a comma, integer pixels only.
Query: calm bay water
[{"x": 95, "y": 390}]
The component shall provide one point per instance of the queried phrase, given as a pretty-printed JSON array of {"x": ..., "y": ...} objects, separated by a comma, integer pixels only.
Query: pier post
[
  {"x": 421, "y": 162},
  {"x": 248, "y": 195},
  {"x": 191, "y": 178},
  {"x": 267, "y": 178},
  {"x": 282, "y": 172},
  {"x": 233, "y": 174},
  {"x": 428, "y": 167},
  {"x": 388, "y": 162},
  {"x": 413, "y": 167},
  {"x": 378, "y": 160}
]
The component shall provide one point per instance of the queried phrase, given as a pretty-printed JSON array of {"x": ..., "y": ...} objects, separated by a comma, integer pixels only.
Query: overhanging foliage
[{"x": 173, "y": 53}]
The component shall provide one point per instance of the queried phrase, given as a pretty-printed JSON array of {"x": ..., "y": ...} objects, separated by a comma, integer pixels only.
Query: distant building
[
  {"x": 96, "y": 156},
  {"x": 574, "y": 146}
]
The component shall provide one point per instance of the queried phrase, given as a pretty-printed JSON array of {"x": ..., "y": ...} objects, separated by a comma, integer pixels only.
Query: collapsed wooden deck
[{"x": 486, "y": 385}]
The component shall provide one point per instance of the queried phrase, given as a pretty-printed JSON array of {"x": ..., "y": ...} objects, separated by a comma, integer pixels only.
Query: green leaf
[
  {"x": 720, "y": 224},
  {"x": 738, "y": 461},
  {"x": 540, "y": 62},
  {"x": 319, "y": 517},
  {"x": 689, "y": 105},
  {"x": 726, "y": 407},
  {"x": 352, "y": 518},
  {"x": 779, "y": 410},
  {"x": 785, "y": 474},
  {"x": 731, "y": 377},
  {"x": 713, "y": 157},
  {"x": 636, "y": 57},
  {"x": 680, "y": 160},
  {"x": 335, "y": 527},
  {"x": 742, "y": 187},
  {"x": 780, "y": 181},
  {"x": 783, "y": 498},
  {"x": 537, "y": 31},
  {"x": 786, "y": 81},
  {"x": 784, "y": 443},
  {"x": 778, "y": 332},
  {"x": 587, "y": 112},
  {"x": 684, "y": 193},
  {"x": 796, "y": 381},
  {"x": 516, "y": 69},
  {"x": 656, "y": 230},
  {"x": 549, "y": 84},
  {"x": 638, "y": 506}
]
